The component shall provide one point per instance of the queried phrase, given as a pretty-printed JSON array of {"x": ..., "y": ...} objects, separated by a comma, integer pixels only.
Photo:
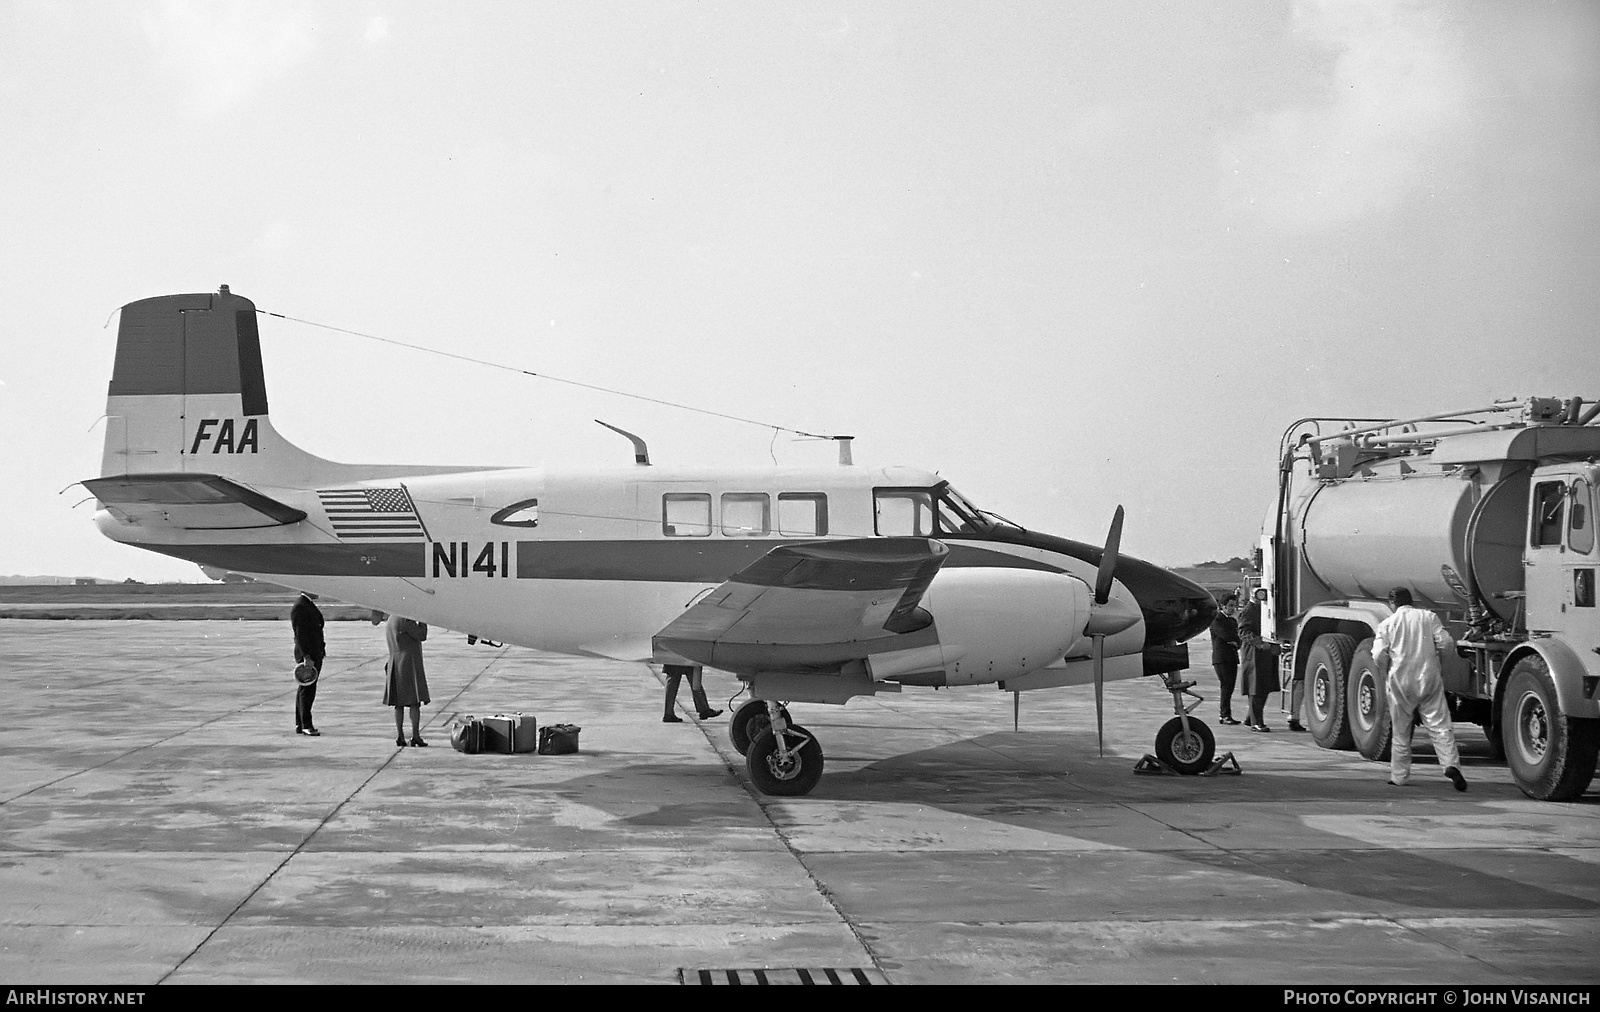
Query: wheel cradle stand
[{"x": 1222, "y": 764}]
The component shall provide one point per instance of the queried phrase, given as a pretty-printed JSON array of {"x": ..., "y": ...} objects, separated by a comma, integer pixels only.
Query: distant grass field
[
  {"x": 259, "y": 601},
  {"x": 268, "y": 602}
]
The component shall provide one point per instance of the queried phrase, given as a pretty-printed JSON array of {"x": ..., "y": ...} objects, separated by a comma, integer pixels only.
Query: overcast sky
[{"x": 1069, "y": 255}]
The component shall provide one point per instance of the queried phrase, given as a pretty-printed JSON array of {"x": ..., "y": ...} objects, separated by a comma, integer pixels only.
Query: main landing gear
[{"x": 784, "y": 759}]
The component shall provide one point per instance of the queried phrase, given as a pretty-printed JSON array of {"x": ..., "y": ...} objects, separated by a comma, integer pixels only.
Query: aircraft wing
[
  {"x": 812, "y": 607},
  {"x": 185, "y": 501}
]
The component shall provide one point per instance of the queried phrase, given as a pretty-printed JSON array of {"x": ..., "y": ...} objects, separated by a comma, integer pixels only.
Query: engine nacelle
[{"x": 995, "y": 624}]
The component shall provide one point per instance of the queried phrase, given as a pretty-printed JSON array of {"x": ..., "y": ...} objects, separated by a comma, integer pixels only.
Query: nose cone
[{"x": 1175, "y": 609}]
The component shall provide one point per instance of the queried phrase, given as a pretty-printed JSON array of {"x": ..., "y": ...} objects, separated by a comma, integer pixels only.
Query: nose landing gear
[{"x": 1184, "y": 744}]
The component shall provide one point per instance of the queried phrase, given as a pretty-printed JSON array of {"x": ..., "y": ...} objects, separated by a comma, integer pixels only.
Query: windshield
[
  {"x": 956, "y": 515},
  {"x": 982, "y": 520}
]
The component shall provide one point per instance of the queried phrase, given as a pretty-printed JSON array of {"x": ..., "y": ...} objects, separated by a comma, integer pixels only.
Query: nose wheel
[{"x": 1184, "y": 744}]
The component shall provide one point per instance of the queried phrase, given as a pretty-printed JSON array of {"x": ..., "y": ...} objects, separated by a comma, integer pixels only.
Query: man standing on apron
[
  {"x": 306, "y": 621},
  {"x": 1412, "y": 639}
]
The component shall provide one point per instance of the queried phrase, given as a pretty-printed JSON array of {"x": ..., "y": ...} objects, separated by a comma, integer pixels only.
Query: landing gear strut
[{"x": 784, "y": 759}]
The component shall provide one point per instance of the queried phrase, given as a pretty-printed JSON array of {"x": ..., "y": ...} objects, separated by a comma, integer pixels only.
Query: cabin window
[
  {"x": 802, "y": 514},
  {"x": 1580, "y": 521},
  {"x": 1548, "y": 499},
  {"x": 903, "y": 512},
  {"x": 746, "y": 515},
  {"x": 686, "y": 515}
]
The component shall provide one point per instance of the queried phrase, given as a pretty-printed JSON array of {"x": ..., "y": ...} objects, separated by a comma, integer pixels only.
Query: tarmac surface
[{"x": 160, "y": 822}]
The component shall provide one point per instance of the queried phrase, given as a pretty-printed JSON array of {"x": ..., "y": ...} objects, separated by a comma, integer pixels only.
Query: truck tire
[
  {"x": 1552, "y": 756},
  {"x": 1368, "y": 706},
  {"x": 1327, "y": 677}
]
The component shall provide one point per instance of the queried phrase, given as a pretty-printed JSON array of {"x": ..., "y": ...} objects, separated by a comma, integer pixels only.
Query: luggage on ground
[
  {"x": 524, "y": 731},
  {"x": 497, "y": 730},
  {"x": 466, "y": 734},
  {"x": 558, "y": 739}
]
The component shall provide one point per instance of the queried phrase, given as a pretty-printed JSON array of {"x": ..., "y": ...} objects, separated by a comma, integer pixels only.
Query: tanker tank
[{"x": 1448, "y": 534}]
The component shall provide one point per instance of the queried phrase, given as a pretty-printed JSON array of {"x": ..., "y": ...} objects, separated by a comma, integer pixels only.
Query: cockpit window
[
  {"x": 926, "y": 512},
  {"x": 956, "y": 515},
  {"x": 903, "y": 512}
]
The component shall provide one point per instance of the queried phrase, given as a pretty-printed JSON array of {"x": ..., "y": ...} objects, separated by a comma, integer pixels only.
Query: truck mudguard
[{"x": 1567, "y": 670}]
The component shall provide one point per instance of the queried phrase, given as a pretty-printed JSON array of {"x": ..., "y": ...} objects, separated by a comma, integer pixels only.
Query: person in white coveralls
[{"x": 1413, "y": 639}]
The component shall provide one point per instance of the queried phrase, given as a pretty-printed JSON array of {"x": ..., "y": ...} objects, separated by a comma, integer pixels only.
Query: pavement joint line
[
  {"x": 170, "y": 667},
  {"x": 318, "y": 827},
  {"x": 763, "y": 804},
  {"x": 176, "y": 734}
]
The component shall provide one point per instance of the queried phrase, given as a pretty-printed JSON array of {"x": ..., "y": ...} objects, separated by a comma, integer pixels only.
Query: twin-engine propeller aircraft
[{"x": 810, "y": 584}]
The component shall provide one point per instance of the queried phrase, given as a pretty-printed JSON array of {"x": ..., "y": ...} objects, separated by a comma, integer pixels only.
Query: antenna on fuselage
[
  {"x": 844, "y": 449},
  {"x": 641, "y": 452}
]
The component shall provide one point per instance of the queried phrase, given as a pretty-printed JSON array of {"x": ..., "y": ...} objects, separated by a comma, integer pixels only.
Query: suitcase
[
  {"x": 466, "y": 735},
  {"x": 558, "y": 739},
  {"x": 524, "y": 731},
  {"x": 497, "y": 733}
]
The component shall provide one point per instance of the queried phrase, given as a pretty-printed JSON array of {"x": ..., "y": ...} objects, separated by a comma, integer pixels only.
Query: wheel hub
[
  {"x": 1534, "y": 728},
  {"x": 784, "y": 769},
  {"x": 1366, "y": 700},
  {"x": 1187, "y": 747},
  {"x": 1320, "y": 691}
]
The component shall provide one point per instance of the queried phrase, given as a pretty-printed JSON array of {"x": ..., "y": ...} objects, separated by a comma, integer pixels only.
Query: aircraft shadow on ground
[{"x": 1049, "y": 798}]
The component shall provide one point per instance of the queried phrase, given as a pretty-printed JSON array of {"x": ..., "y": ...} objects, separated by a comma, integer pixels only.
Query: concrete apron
[{"x": 160, "y": 822}]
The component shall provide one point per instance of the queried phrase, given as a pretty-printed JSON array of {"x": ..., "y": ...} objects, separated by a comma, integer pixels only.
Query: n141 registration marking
[{"x": 450, "y": 559}]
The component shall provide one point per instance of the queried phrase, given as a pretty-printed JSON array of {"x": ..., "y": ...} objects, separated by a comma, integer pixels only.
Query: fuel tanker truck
[{"x": 1488, "y": 517}]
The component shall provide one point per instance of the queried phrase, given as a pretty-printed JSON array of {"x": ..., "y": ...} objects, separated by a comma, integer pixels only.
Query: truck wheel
[
  {"x": 1187, "y": 752},
  {"x": 1327, "y": 677},
  {"x": 1551, "y": 756},
  {"x": 1368, "y": 706}
]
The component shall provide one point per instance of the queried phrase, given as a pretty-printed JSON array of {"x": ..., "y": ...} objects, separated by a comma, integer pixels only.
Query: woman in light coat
[{"x": 407, "y": 684}]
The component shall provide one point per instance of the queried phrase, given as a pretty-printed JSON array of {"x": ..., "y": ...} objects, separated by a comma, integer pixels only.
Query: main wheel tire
[
  {"x": 1367, "y": 704},
  {"x": 789, "y": 779},
  {"x": 1189, "y": 752},
  {"x": 1552, "y": 757},
  {"x": 749, "y": 720},
  {"x": 1327, "y": 678}
]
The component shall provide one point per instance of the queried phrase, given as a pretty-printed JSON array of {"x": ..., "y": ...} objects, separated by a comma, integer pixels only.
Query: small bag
[
  {"x": 558, "y": 739},
  {"x": 306, "y": 673},
  {"x": 466, "y": 735}
]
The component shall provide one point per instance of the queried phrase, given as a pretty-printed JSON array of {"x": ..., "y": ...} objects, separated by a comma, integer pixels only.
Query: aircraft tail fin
[{"x": 188, "y": 395}]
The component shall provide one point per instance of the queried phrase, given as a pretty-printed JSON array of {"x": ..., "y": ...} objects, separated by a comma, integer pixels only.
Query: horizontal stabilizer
[
  {"x": 812, "y": 607},
  {"x": 190, "y": 502}
]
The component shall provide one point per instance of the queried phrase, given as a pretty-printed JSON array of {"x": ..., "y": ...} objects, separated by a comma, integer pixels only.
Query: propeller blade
[
  {"x": 1099, "y": 692},
  {"x": 1108, "y": 560}
]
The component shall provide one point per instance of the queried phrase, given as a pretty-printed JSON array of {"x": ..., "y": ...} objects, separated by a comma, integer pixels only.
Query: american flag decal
[{"x": 372, "y": 514}]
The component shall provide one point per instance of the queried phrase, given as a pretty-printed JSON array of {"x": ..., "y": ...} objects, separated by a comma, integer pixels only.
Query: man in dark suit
[
  {"x": 1225, "y": 653},
  {"x": 306, "y": 621}
]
